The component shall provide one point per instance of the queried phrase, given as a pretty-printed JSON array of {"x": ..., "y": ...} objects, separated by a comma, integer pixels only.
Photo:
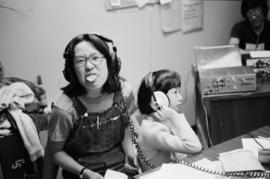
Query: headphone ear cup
[
  {"x": 116, "y": 64},
  {"x": 67, "y": 72},
  {"x": 67, "y": 56},
  {"x": 159, "y": 99}
]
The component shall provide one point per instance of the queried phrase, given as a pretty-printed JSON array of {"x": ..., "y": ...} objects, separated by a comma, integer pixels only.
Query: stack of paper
[
  {"x": 111, "y": 174},
  {"x": 251, "y": 145},
  {"x": 240, "y": 160}
]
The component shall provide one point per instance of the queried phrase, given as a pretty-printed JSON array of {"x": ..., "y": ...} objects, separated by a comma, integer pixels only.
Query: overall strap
[
  {"x": 79, "y": 107},
  {"x": 117, "y": 98},
  {"x": 119, "y": 102}
]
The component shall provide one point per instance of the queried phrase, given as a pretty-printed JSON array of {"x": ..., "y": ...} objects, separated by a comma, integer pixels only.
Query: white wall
[{"x": 32, "y": 42}]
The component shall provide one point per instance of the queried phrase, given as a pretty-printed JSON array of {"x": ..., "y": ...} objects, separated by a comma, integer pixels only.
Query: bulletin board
[{"x": 185, "y": 15}]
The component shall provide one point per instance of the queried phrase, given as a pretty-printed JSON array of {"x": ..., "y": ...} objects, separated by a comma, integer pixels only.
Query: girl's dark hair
[
  {"x": 74, "y": 88},
  {"x": 251, "y": 4},
  {"x": 162, "y": 80}
]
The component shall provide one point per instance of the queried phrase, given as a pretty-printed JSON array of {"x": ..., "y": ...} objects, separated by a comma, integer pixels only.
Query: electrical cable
[
  {"x": 206, "y": 122},
  {"x": 185, "y": 86},
  {"x": 18, "y": 10},
  {"x": 219, "y": 119},
  {"x": 253, "y": 137}
]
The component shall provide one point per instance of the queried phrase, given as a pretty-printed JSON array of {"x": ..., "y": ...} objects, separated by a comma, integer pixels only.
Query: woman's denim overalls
[{"x": 95, "y": 141}]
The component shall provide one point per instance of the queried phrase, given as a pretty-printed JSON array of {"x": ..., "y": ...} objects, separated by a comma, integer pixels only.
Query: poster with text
[
  {"x": 191, "y": 15},
  {"x": 170, "y": 16}
]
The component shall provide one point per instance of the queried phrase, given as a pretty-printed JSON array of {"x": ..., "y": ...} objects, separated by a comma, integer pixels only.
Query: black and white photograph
[{"x": 134, "y": 89}]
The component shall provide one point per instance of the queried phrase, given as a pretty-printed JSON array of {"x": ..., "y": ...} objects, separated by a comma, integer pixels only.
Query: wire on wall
[
  {"x": 185, "y": 86},
  {"x": 207, "y": 123},
  {"x": 18, "y": 5}
]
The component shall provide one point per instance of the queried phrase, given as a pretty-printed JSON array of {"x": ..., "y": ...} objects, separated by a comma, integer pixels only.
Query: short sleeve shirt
[
  {"x": 64, "y": 115},
  {"x": 248, "y": 39}
]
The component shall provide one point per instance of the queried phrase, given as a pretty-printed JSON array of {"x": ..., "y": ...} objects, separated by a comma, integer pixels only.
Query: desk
[
  {"x": 221, "y": 117},
  {"x": 213, "y": 152}
]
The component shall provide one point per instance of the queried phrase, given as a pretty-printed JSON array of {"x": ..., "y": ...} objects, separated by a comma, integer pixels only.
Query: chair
[{"x": 14, "y": 158}]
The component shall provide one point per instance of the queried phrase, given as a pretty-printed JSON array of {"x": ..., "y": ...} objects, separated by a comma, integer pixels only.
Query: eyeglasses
[
  {"x": 254, "y": 12},
  {"x": 80, "y": 61}
]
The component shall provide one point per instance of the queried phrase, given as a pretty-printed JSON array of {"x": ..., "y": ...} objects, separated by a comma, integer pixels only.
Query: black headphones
[
  {"x": 69, "y": 72},
  {"x": 158, "y": 98}
]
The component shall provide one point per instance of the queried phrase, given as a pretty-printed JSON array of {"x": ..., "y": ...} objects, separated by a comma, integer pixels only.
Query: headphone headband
[
  {"x": 107, "y": 40},
  {"x": 67, "y": 55},
  {"x": 149, "y": 81},
  {"x": 158, "y": 97}
]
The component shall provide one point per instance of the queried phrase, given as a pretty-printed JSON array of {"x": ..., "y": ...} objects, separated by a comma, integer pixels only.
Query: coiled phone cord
[
  {"x": 256, "y": 174},
  {"x": 131, "y": 125}
]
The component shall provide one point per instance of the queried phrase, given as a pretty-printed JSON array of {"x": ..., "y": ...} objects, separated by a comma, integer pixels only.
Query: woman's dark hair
[
  {"x": 74, "y": 88},
  {"x": 162, "y": 80},
  {"x": 251, "y": 4}
]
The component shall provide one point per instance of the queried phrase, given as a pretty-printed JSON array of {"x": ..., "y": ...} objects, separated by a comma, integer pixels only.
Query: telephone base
[{"x": 264, "y": 156}]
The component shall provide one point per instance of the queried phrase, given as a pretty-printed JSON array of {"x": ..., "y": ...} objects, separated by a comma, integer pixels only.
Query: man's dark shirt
[{"x": 249, "y": 40}]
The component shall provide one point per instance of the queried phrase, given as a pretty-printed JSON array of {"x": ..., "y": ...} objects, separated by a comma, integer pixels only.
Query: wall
[{"x": 32, "y": 41}]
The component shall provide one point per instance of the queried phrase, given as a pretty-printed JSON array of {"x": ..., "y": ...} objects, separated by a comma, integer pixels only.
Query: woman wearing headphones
[
  {"x": 171, "y": 136},
  {"x": 88, "y": 130}
]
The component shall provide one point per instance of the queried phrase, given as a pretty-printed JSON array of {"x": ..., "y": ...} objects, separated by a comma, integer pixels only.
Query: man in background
[{"x": 253, "y": 33}]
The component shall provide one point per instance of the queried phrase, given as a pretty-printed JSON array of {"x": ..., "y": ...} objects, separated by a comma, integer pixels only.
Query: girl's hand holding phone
[{"x": 165, "y": 114}]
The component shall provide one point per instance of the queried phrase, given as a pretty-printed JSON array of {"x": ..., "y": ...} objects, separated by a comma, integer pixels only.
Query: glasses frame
[
  {"x": 80, "y": 61},
  {"x": 254, "y": 12}
]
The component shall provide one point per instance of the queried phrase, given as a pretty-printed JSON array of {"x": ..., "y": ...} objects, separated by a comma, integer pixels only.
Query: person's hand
[
  {"x": 165, "y": 114},
  {"x": 131, "y": 165},
  {"x": 132, "y": 161},
  {"x": 89, "y": 174},
  {"x": 5, "y": 125},
  {"x": 4, "y": 132},
  {"x": 4, "y": 128}
]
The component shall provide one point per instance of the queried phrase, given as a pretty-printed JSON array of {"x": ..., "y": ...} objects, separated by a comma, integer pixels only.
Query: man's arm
[{"x": 235, "y": 41}]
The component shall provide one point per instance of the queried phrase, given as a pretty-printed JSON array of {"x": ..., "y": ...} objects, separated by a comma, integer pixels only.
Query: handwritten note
[{"x": 192, "y": 15}]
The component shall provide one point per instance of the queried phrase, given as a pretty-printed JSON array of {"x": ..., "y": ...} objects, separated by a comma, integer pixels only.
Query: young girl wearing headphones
[
  {"x": 88, "y": 130},
  {"x": 164, "y": 133}
]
